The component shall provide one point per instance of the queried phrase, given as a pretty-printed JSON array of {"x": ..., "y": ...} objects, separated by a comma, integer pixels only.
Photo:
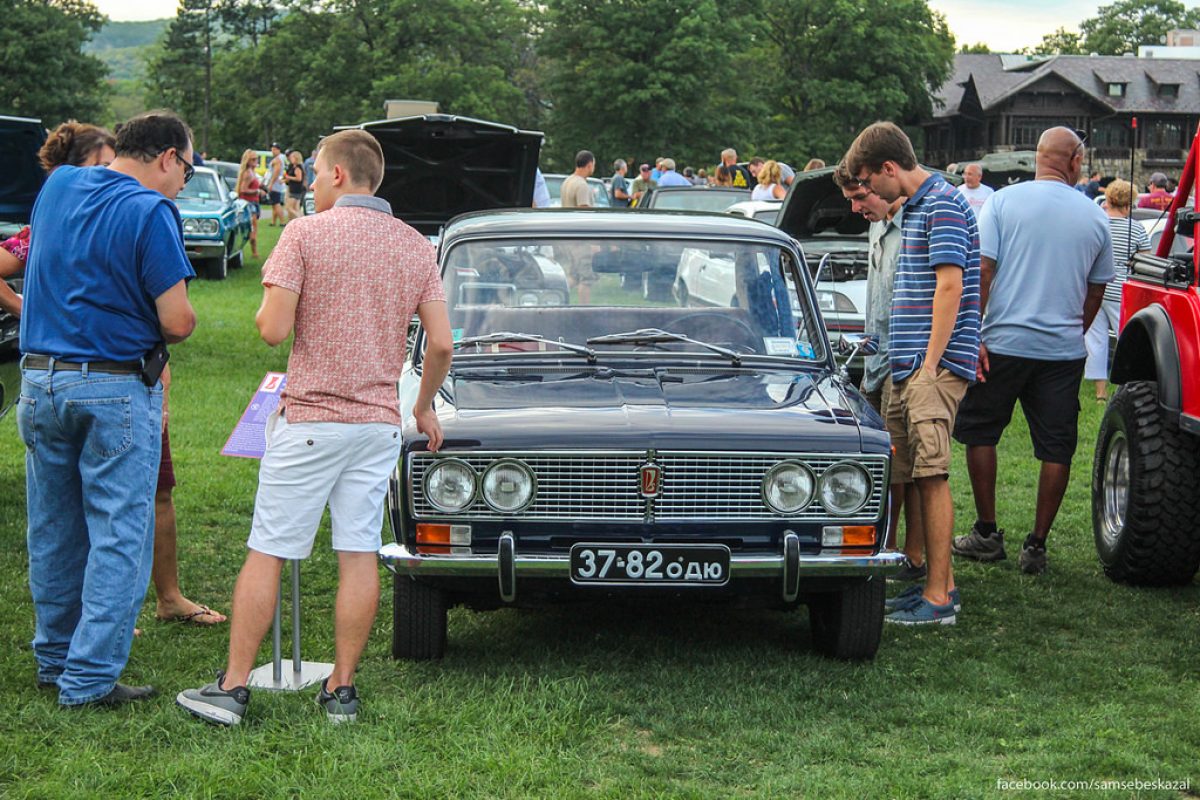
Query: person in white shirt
[{"x": 975, "y": 192}]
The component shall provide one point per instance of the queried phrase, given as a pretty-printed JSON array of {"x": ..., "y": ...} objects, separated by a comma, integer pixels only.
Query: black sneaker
[
  {"x": 909, "y": 572},
  {"x": 341, "y": 705},
  {"x": 119, "y": 696},
  {"x": 213, "y": 704}
]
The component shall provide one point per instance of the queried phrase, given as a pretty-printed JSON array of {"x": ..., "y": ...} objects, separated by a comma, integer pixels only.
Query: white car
[{"x": 842, "y": 287}]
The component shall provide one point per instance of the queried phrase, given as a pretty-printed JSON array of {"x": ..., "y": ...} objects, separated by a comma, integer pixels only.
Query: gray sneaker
[
  {"x": 213, "y": 704},
  {"x": 341, "y": 705},
  {"x": 1032, "y": 560},
  {"x": 978, "y": 547}
]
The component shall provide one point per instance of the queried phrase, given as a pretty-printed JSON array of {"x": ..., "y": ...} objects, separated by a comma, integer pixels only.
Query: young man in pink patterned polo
[{"x": 347, "y": 280}]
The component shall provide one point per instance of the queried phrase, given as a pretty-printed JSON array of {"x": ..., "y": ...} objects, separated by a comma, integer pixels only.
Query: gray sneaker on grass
[
  {"x": 213, "y": 704},
  {"x": 978, "y": 547},
  {"x": 1032, "y": 560},
  {"x": 341, "y": 705}
]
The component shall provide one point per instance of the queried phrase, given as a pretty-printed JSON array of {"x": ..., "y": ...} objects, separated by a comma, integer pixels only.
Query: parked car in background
[
  {"x": 600, "y": 196},
  {"x": 216, "y": 224},
  {"x": 762, "y": 210},
  {"x": 627, "y": 450},
  {"x": 226, "y": 169},
  {"x": 692, "y": 198},
  {"x": 21, "y": 177}
]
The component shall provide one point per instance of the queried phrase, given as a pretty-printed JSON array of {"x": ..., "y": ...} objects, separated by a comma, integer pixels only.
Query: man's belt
[{"x": 32, "y": 361}]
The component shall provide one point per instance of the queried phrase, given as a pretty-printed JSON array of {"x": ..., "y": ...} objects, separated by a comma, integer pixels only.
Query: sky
[{"x": 1004, "y": 25}]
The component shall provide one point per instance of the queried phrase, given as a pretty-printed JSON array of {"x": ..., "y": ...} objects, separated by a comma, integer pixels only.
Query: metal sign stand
[{"x": 303, "y": 673}]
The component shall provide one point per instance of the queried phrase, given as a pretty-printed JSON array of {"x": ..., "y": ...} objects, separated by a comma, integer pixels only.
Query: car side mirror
[
  {"x": 233, "y": 195},
  {"x": 853, "y": 343}
]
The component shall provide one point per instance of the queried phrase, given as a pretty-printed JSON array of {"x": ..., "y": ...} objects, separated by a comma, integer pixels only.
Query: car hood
[
  {"x": 515, "y": 408},
  {"x": 22, "y": 174},
  {"x": 815, "y": 206},
  {"x": 437, "y": 167},
  {"x": 189, "y": 207}
]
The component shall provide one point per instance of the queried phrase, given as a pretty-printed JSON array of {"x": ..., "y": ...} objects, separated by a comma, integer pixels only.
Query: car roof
[{"x": 604, "y": 223}]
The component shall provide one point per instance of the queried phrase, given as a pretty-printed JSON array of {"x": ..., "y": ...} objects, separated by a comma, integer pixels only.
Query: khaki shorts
[
  {"x": 576, "y": 260},
  {"x": 920, "y": 415}
]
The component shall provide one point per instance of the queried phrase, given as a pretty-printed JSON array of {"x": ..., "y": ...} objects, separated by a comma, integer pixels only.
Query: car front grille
[{"x": 606, "y": 486}]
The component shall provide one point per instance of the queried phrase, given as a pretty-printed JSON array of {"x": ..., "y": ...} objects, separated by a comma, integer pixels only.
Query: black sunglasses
[
  {"x": 1082, "y": 139},
  {"x": 188, "y": 169}
]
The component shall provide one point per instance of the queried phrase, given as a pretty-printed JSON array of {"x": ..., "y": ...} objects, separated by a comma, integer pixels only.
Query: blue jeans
[{"x": 92, "y": 445}]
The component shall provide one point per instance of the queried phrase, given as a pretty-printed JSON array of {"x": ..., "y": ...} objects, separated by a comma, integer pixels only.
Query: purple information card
[{"x": 249, "y": 438}]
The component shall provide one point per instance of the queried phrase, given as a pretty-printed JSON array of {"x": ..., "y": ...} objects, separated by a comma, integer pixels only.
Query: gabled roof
[{"x": 996, "y": 78}]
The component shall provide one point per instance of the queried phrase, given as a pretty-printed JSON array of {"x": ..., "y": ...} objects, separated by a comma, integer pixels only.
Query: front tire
[
  {"x": 215, "y": 269},
  {"x": 848, "y": 624},
  {"x": 1145, "y": 509},
  {"x": 418, "y": 621}
]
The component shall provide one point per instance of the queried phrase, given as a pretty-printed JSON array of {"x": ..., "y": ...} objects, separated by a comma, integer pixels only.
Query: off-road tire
[
  {"x": 418, "y": 621},
  {"x": 1157, "y": 541},
  {"x": 849, "y": 623}
]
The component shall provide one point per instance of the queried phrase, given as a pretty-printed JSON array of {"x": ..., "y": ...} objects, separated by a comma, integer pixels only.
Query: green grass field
[{"x": 1064, "y": 677}]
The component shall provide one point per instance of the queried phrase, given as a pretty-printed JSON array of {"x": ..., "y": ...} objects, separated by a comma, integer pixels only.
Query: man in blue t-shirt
[
  {"x": 619, "y": 185},
  {"x": 104, "y": 289},
  {"x": 934, "y": 343},
  {"x": 1047, "y": 256}
]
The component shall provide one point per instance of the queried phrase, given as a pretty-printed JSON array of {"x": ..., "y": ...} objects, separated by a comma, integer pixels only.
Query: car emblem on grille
[{"x": 651, "y": 480}]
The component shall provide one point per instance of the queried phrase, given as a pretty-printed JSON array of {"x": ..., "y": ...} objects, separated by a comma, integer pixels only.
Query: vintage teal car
[{"x": 216, "y": 224}]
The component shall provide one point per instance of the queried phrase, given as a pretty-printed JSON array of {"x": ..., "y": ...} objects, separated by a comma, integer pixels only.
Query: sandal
[{"x": 191, "y": 618}]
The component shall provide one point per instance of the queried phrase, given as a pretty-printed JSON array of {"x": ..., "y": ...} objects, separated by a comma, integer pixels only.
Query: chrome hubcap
[{"x": 1116, "y": 488}]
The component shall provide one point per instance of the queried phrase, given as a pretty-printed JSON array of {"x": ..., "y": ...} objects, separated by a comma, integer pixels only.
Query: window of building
[
  {"x": 1110, "y": 134},
  {"x": 1116, "y": 90},
  {"x": 1026, "y": 131},
  {"x": 1164, "y": 134},
  {"x": 1168, "y": 90}
]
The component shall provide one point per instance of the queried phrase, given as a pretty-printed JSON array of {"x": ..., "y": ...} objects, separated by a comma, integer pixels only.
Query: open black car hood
[
  {"x": 438, "y": 166},
  {"x": 21, "y": 174},
  {"x": 815, "y": 206}
]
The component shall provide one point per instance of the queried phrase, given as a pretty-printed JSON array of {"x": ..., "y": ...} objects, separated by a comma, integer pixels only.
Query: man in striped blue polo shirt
[{"x": 934, "y": 346}]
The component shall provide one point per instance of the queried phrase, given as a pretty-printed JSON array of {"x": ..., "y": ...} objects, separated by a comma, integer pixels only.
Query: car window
[
  {"x": 694, "y": 200},
  {"x": 203, "y": 186},
  {"x": 740, "y": 296}
]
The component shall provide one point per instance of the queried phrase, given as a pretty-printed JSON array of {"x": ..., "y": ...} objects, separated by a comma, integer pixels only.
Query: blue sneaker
[
  {"x": 923, "y": 612},
  {"x": 910, "y": 596}
]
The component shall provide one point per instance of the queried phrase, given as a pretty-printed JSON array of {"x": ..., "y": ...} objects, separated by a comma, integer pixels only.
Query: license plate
[{"x": 699, "y": 565}]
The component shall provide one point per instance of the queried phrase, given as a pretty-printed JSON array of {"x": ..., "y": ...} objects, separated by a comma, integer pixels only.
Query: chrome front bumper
[{"x": 789, "y": 566}]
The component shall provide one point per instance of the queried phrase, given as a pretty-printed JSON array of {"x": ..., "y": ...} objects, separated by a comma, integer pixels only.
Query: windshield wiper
[
  {"x": 659, "y": 336},
  {"x": 508, "y": 336}
]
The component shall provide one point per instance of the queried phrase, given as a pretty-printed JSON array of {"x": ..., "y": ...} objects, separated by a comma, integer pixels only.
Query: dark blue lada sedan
[{"x": 601, "y": 445}]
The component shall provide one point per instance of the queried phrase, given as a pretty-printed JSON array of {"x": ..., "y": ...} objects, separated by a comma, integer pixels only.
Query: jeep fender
[{"x": 1147, "y": 351}]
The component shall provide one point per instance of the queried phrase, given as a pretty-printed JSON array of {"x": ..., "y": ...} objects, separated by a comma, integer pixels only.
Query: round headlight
[
  {"x": 508, "y": 486},
  {"x": 788, "y": 487},
  {"x": 450, "y": 485},
  {"x": 845, "y": 488}
]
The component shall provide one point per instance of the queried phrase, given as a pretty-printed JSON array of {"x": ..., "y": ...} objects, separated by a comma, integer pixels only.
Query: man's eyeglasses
[{"x": 188, "y": 169}]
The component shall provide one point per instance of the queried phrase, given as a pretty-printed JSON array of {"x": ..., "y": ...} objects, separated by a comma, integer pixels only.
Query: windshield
[
  {"x": 738, "y": 297},
  {"x": 202, "y": 186},
  {"x": 600, "y": 198},
  {"x": 699, "y": 199}
]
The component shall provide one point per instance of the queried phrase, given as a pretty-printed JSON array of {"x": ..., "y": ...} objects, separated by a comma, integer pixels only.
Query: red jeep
[{"x": 1145, "y": 493}]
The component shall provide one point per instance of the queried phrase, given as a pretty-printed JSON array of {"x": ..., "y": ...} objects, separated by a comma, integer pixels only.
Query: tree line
[{"x": 787, "y": 79}]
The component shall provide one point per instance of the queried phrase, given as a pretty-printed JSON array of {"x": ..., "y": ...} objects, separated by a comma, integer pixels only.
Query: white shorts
[{"x": 309, "y": 464}]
